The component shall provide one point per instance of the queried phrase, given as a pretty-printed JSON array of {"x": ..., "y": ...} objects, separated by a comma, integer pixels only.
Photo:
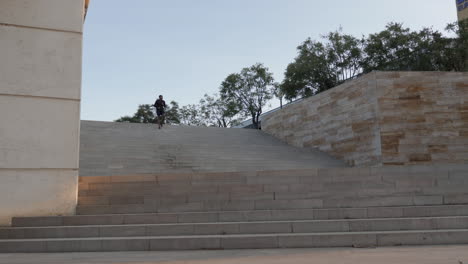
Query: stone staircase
[
  {"x": 328, "y": 207},
  {"x": 108, "y": 148}
]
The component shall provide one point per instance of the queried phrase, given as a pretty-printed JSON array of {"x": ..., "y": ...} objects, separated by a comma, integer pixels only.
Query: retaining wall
[{"x": 383, "y": 118}]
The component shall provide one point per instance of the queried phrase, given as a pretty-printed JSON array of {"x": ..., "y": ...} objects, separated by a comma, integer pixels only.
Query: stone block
[
  {"x": 216, "y": 229},
  {"x": 23, "y": 246},
  {"x": 456, "y": 199},
  {"x": 185, "y": 207},
  {"x": 121, "y": 231},
  {"x": 247, "y": 242},
  {"x": 170, "y": 230},
  {"x": 428, "y": 200},
  {"x": 146, "y": 178},
  {"x": 288, "y": 204},
  {"x": 204, "y": 217},
  {"x": 136, "y": 219},
  {"x": 121, "y": 200},
  {"x": 275, "y": 188},
  {"x": 327, "y": 240},
  {"x": 40, "y": 63},
  {"x": 320, "y": 226},
  {"x": 93, "y": 200},
  {"x": 301, "y": 214},
  {"x": 228, "y": 206},
  {"x": 80, "y": 220},
  {"x": 36, "y": 221},
  {"x": 426, "y": 211},
  {"x": 37, "y": 142},
  {"x": 125, "y": 244},
  {"x": 185, "y": 243},
  {"x": 386, "y": 212},
  {"x": 252, "y": 197},
  {"x": 43, "y": 193},
  {"x": 208, "y": 197},
  {"x": 265, "y": 228},
  {"x": 64, "y": 15}
]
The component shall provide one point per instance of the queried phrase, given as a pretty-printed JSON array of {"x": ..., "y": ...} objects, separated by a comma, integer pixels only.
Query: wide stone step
[
  {"x": 348, "y": 198},
  {"x": 249, "y": 241},
  {"x": 244, "y": 216},
  {"x": 261, "y": 202},
  {"x": 392, "y": 174},
  {"x": 232, "y": 228}
]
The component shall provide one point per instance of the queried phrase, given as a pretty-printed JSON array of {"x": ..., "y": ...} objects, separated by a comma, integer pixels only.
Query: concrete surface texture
[
  {"x": 309, "y": 208},
  {"x": 383, "y": 118},
  {"x": 40, "y": 85},
  {"x": 413, "y": 255},
  {"x": 122, "y": 148}
]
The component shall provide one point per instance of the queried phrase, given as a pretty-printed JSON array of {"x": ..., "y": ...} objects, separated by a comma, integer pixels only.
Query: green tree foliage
[
  {"x": 398, "y": 48},
  {"x": 344, "y": 54},
  {"x": 220, "y": 112},
  {"x": 278, "y": 93},
  {"x": 173, "y": 113},
  {"x": 144, "y": 114},
  {"x": 251, "y": 89},
  {"x": 190, "y": 115},
  {"x": 457, "y": 55},
  {"x": 322, "y": 65}
]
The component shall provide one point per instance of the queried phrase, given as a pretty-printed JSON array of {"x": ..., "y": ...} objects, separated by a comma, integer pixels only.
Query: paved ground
[{"x": 410, "y": 255}]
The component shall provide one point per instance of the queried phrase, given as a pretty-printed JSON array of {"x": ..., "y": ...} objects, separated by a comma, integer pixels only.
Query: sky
[{"x": 135, "y": 50}]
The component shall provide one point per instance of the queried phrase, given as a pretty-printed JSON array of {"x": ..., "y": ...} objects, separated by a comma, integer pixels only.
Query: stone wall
[
  {"x": 423, "y": 117},
  {"x": 40, "y": 84},
  {"x": 383, "y": 118}
]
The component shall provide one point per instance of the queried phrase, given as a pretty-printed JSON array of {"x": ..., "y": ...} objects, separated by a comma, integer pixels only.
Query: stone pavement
[{"x": 391, "y": 255}]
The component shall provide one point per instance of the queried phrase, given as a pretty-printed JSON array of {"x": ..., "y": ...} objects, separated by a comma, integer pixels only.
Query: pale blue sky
[{"x": 135, "y": 50}]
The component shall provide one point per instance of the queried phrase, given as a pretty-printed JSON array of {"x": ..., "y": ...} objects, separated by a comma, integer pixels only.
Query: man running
[{"x": 160, "y": 105}]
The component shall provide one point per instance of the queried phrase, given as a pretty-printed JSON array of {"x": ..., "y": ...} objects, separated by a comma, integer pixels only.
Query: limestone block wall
[
  {"x": 423, "y": 117},
  {"x": 40, "y": 82},
  {"x": 383, "y": 118},
  {"x": 342, "y": 122}
]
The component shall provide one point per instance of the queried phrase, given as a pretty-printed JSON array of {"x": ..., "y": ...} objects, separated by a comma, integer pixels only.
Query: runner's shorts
[{"x": 160, "y": 112}]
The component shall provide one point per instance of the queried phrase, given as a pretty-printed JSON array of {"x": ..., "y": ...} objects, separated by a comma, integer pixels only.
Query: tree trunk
[{"x": 254, "y": 121}]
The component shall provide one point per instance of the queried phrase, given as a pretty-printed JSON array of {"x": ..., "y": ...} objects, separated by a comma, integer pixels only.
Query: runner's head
[{"x": 161, "y": 97}]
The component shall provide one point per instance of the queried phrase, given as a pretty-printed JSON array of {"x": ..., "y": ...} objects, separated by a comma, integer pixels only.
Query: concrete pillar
[{"x": 40, "y": 86}]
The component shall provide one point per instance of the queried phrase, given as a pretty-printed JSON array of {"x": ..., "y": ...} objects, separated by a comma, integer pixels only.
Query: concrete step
[
  {"x": 249, "y": 241},
  {"x": 326, "y": 180},
  {"x": 117, "y": 148},
  {"x": 232, "y": 228},
  {"x": 356, "y": 198},
  {"x": 392, "y": 174},
  {"x": 245, "y": 216},
  {"x": 262, "y": 202}
]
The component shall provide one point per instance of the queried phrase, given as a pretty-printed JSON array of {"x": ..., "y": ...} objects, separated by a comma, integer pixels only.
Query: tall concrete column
[{"x": 40, "y": 86}]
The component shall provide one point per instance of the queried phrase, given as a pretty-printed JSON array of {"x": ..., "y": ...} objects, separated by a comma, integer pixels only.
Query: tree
[
  {"x": 457, "y": 54},
  {"x": 399, "y": 49},
  {"x": 251, "y": 89},
  {"x": 173, "y": 113},
  {"x": 344, "y": 54},
  {"x": 190, "y": 115},
  {"x": 220, "y": 112},
  {"x": 278, "y": 93},
  {"x": 144, "y": 114},
  {"x": 309, "y": 73},
  {"x": 322, "y": 66}
]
